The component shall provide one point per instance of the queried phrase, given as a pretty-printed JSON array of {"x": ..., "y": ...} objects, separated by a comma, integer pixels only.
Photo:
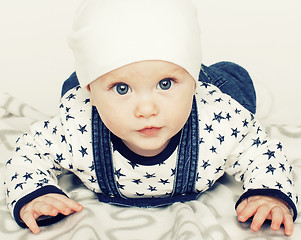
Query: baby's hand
[
  {"x": 265, "y": 207},
  {"x": 47, "y": 205}
]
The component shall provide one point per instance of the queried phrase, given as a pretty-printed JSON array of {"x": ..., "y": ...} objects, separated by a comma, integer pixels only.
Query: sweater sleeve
[
  {"x": 39, "y": 158},
  {"x": 259, "y": 161}
]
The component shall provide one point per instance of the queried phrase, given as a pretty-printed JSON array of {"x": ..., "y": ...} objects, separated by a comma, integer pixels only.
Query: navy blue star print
[
  {"x": 221, "y": 138},
  {"x": 235, "y": 132},
  {"x": 82, "y": 129},
  {"x": 279, "y": 146},
  {"x": 213, "y": 149},
  {"x": 26, "y": 159},
  {"x": 218, "y": 169},
  {"x": 14, "y": 177},
  {"x": 218, "y": 100},
  {"x": 38, "y": 134},
  {"x": 152, "y": 189},
  {"x": 270, "y": 169},
  {"x": 133, "y": 164},
  {"x": 71, "y": 96},
  {"x": 148, "y": 175},
  {"x": 80, "y": 170},
  {"x": 59, "y": 158},
  {"x": 218, "y": 117},
  {"x": 256, "y": 142},
  {"x": 228, "y": 116},
  {"x": 48, "y": 143},
  {"x": 164, "y": 181},
  {"x": 69, "y": 117},
  {"x": 92, "y": 167},
  {"x": 119, "y": 174},
  {"x": 270, "y": 154},
  {"x": 204, "y": 101},
  {"x": 204, "y": 84},
  {"x": 210, "y": 183},
  {"x": 63, "y": 139},
  {"x": 208, "y": 128},
  {"x": 19, "y": 185},
  {"x": 205, "y": 164},
  {"x": 92, "y": 179},
  {"x": 137, "y": 181},
  {"x": 54, "y": 130},
  {"x": 9, "y": 161},
  {"x": 120, "y": 186},
  {"x": 282, "y": 167},
  {"x": 86, "y": 101},
  {"x": 237, "y": 111},
  {"x": 278, "y": 185},
  {"x": 83, "y": 151},
  {"x": 28, "y": 176},
  {"x": 245, "y": 123},
  {"x": 46, "y": 123}
]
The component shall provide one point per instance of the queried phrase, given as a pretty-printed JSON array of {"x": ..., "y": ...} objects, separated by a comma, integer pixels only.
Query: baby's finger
[
  {"x": 259, "y": 218},
  {"x": 51, "y": 205},
  {"x": 71, "y": 204},
  {"x": 248, "y": 211},
  {"x": 59, "y": 205},
  {"x": 277, "y": 218},
  {"x": 241, "y": 206},
  {"x": 30, "y": 222},
  {"x": 288, "y": 224},
  {"x": 44, "y": 208}
]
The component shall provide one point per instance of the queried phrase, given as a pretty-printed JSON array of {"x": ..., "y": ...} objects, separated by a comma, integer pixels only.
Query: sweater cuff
[
  {"x": 43, "y": 220},
  {"x": 273, "y": 193}
]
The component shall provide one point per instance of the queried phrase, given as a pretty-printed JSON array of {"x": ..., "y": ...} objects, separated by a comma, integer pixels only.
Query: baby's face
[{"x": 144, "y": 103}]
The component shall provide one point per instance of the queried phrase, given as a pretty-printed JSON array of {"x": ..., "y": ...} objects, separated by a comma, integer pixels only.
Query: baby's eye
[
  {"x": 121, "y": 88},
  {"x": 165, "y": 83}
]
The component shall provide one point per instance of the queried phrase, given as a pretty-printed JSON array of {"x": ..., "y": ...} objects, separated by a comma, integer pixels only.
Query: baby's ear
[{"x": 91, "y": 97}]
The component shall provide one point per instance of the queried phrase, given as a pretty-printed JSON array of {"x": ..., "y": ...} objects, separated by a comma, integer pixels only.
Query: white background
[{"x": 264, "y": 36}]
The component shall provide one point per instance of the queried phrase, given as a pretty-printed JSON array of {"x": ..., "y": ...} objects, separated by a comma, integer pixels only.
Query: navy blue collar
[{"x": 134, "y": 158}]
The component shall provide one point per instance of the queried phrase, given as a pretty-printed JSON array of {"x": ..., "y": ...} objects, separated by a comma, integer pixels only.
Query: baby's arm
[
  {"x": 266, "y": 207},
  {"x": 47, "y": 205},
  {"x": 36, "y": 163}
]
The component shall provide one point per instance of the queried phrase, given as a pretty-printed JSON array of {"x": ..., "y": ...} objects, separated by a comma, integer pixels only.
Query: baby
[{"x": 143, "y": 123}]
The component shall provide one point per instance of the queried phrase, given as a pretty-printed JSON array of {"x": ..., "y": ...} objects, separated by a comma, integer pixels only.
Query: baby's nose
[{"x": 146, "y": 109}]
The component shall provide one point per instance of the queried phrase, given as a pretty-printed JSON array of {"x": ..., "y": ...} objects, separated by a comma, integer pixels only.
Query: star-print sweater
[{"x": 231, "y": 141}]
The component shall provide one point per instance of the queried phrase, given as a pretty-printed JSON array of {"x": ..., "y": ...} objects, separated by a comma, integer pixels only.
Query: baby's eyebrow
[{"x": 168, "y": 78}]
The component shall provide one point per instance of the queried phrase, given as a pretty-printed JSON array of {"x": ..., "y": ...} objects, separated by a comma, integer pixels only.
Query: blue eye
[
  {"x": 166, "y": 83},
  {"x": 121, "y": 88}
]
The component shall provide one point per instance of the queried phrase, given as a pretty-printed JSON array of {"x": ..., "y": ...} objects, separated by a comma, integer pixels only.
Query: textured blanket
[{"x": 212, "y": 216}]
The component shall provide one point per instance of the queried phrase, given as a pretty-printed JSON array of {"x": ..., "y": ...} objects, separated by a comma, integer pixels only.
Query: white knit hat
[{"x": 108, "y": 34}]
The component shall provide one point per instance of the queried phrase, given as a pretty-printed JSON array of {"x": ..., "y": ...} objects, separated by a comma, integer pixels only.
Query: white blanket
[{"x": 212, "y": 216}]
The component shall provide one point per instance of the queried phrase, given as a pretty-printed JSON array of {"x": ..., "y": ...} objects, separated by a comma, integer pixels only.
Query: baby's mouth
[{"x": 149, "y": 131}]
